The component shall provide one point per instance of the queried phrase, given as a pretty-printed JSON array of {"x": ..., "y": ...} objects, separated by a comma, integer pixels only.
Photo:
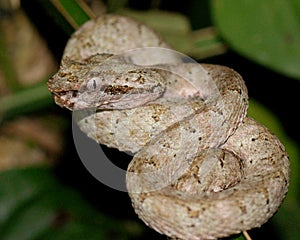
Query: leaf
[
  {"x": 267, "y": 32},
  {"x": 26, "y": 100},
  {"x": 175, "y": 29},
  {"x": 33, "y": 205},
  {"x": 75, "y": 12}
]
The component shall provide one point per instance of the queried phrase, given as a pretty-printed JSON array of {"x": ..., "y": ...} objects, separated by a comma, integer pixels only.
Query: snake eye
[{"x": 93, "y": 83}]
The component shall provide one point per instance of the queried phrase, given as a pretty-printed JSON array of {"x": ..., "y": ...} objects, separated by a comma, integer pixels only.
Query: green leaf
[
  {"x": 27, "y": 100},
  {"x": 267, "y": 32},
  {"x": 75, "y": 12},
  {"x": 115, "y": 5},
  {"x": 69, "y": 15},
  {"x": 175, "y": 29},
  {"x": 34, "y": 205}
]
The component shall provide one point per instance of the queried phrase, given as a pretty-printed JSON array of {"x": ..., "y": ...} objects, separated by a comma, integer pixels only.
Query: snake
[{"x": 201, "y": 168}]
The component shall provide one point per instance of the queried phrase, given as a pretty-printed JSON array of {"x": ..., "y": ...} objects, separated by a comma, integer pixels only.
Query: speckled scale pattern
[{"x": 201, "y": 169}]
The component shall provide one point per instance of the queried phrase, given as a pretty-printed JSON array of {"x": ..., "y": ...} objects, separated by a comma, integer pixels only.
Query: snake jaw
[
  {"x": 66, "y": 99},
  {"x": 106, "y": 96}
]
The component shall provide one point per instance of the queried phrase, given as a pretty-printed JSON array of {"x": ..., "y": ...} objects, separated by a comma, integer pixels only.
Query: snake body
[{"x": 201, "y": 169}]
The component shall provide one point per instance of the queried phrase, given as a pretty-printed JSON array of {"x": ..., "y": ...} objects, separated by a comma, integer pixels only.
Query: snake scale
[{"x": 202, "y": 169}]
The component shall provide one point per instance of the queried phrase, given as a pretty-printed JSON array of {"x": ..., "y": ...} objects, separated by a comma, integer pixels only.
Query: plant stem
[
  {"x": 246, "y": 235},
  {"x": 26, "y": 100}
]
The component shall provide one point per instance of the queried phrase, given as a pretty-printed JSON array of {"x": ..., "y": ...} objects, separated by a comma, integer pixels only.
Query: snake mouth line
[{"x": 66, "y": 98}]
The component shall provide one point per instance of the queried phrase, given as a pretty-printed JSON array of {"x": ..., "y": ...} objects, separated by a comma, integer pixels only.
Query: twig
[{"x": 246, "y": 235}]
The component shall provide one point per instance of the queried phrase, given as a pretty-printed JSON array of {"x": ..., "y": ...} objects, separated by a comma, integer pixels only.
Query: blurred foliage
[
  {"x": 265, "y": 31},
  {"x": 35, "y": 205}
]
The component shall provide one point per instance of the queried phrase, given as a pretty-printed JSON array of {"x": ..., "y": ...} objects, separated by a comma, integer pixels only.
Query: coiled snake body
[{"x": 202, "y": 169}]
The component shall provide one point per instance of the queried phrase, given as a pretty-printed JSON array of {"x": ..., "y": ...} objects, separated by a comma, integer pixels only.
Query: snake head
[
  {"x": 65, "y": 84},
  {"x": 104, "y": 82}
]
